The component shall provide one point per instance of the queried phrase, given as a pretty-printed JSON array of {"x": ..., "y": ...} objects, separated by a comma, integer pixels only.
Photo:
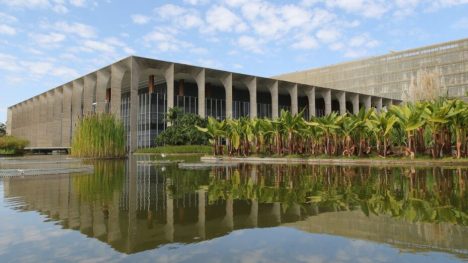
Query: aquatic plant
[{"x": 99, "y": 136}]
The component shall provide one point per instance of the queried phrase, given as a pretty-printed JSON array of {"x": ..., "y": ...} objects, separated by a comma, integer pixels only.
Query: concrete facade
[
  {"x": 391, "y": 75},
  {"x": 137, "y": 89}
]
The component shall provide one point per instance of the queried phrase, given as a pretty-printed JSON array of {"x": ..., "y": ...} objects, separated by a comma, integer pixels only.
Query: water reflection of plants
[
  {"x": 428, "y": 195},
  {"x": 108, "y": 177}
]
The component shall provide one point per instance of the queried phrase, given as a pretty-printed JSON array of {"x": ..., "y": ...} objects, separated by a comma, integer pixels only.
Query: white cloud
[
  {"x": 219, "y": 18},
  {"x": 79, "y": 29},
  {"x": 79, "y": 3},
  {"x": 7, "y": 30},
  {"x": 438, "y": 4},
  {"x": 250, "y": 44},
  {"x": 170, "y": 11},
  {"x": 462, "y": 23},
  {"x": 140, "y": 19},
  {"x": 8, "y": 62},
  {"x": 366, "y": 8},
  {"x": 6, "y": 18},
  {"x": 328, "y": 35},
  {"x": 92, "y": 45},
  {"x": 26, "y": 3},
  {"x": 163, "y": 39},
  {"x": 363, "y": 40},
  {"x": 197, "y": 2},
  {"x": 61, "y": 9},
  {"x": 305, "y": 42},
  {"x": 47, "y": 39}
]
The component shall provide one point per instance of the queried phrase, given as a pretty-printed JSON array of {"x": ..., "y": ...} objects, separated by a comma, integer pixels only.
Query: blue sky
[{"x": 45, "y": 43}]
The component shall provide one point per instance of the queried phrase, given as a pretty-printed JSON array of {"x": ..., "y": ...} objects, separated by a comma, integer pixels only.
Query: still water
[{"x": 137, "y": 211}]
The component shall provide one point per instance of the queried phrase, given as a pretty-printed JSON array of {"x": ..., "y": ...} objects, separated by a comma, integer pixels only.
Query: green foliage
[
  {"x": 2, "y": 129},
  {"x": 434, "y": 128},
  {"x": 12, "y": 145},
  {"x": 183, "y": 129},
  {"x": 203, "y": 149},
  {"x": 99, "y": 136}
]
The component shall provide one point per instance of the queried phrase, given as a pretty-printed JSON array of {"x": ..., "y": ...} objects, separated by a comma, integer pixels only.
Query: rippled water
[{"x": 136, "y": 211}]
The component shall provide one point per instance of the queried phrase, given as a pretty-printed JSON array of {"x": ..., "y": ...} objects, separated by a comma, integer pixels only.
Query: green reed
[{"x": 99, "y": 136}]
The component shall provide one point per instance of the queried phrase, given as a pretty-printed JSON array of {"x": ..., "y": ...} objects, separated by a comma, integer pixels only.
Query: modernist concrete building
[
  {"x": 390, "y": 75},
  {"x": 140, "y": 91}
]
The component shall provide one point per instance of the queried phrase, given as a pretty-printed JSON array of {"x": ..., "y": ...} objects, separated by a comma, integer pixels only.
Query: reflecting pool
[{"x": 136, "y": 210}]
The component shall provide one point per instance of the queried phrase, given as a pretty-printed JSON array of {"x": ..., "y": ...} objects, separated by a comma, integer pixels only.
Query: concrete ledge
[{"x": 350, "y": 162}]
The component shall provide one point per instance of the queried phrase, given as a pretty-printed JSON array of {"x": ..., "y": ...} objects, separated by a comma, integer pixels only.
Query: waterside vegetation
[
  {"x": 437, "y": 128},
  {"x": 99, "y": 136},
  {"x": 178, "y": 149},
  {"x": 10, "y": 145}
]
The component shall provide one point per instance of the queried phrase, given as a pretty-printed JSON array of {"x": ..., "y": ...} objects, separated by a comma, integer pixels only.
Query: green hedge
[{"x": 203, "y": 149}]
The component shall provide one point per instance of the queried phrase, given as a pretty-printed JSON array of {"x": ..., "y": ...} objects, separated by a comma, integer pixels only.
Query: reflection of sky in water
[
  {"x": 25, "y": 237},
  {"x": 28, "y": 236}
]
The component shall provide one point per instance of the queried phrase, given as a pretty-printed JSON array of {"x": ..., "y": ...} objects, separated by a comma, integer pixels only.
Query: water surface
[{"x": 137, "y": 211}]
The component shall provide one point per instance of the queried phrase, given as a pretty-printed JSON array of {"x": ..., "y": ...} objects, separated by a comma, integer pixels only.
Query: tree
[{"x": 2, "y": 129}]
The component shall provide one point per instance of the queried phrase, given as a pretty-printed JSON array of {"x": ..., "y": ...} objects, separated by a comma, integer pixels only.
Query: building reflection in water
[{"x": 134, "y": 206}]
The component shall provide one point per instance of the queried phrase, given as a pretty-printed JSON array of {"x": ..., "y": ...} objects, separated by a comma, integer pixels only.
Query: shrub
[
  {"x": 183, "y": 130},
  {"x": 99, "y": 136},
  {"x": 12, "y": 145}
]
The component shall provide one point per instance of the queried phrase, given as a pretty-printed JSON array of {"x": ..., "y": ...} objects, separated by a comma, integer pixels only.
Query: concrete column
[
  {"x": 66, "y": 119},
  {"x": 310, "y": 92},
  {"x": 379, "y": 104},
  {"x": 276, "y": 211},
  {"x": 99, "y": 226},
  {"x": 253, "y": 216},
  {"x": 355, "y": 101},
  {"x": 50, "y": 118},
  {"x": 327, "y": 98},
  {"x": 274, "y": 100},
  {"x": 134, "y": 105},
  {"x": 169, "y": 227},
  {"x": 19, "y": 121},
  {"x": 89, "y": 90},
  {"x": 201, "y": 213},
  {"x": 199, "y": 76},
  {"x": 252, "y": 86},
  {"x": 27, "y": 121},
  {"x": 342, "y": 101},
  {"x": 12, "y": 121},
  {"x": 36, "y": 116},
  {"x": 169, "y": 76},
  {"x": 117, "y": 74},
  {"x": 77, "y": 95},
  {"x": 293, "y": 94},
  {"x": 58, "y": 115},
  {"x": 227, "y": 83},
  {"x": 42, "y": 121},
  {"x": 9, "y": 121},
  {"x": 388, "y": 103},
  {"x": 102, "y": 83},
  {"x": 367, "y": 101},
  {"x": 114, "y": 233},
  {"x": 132, "y": 198},
  {"x": 229, "y": 218}
]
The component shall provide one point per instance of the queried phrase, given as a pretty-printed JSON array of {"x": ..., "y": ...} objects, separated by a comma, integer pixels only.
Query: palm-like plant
[
  {"x": 436, "y": 123},
  {"x": 383, "y": 124},
  {"x": 214, "y": 129}
]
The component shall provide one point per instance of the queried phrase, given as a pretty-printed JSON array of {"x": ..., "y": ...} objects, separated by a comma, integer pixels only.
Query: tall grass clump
[
  {"x": 12, "y": 145},
  {"x": 99, "y": 136}
]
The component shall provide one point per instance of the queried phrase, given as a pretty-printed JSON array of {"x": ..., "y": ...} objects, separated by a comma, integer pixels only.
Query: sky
[{"x": 46, "y": 43}]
